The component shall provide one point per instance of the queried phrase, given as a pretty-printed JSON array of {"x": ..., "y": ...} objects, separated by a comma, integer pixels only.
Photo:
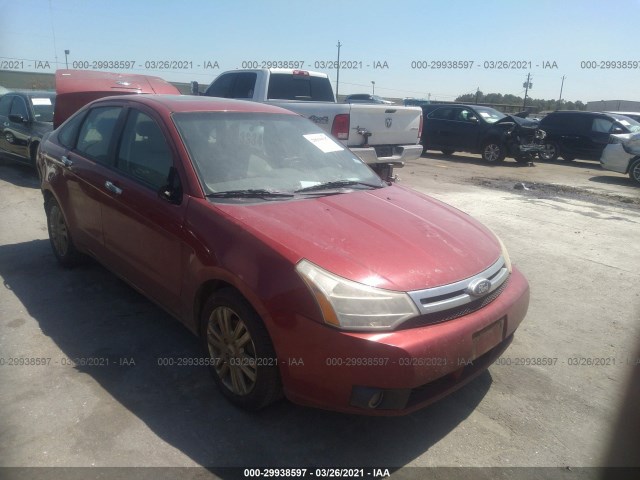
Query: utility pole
[
  {"x": 338, "y": 70},
  {"x": 527, "y": 85},
  {"x": 560, "y": 99},
  {"x": 373, "y": 87}
]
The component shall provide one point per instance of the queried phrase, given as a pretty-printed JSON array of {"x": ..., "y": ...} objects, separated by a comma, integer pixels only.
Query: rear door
[
  {"x": 84, "y": 154},
  {"x": 438, "y": 130}
]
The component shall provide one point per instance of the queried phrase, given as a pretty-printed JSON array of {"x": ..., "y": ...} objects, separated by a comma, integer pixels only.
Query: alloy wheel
[{"x": 232, "y": 348}]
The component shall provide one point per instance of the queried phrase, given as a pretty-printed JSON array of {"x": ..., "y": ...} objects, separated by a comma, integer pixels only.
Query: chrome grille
[{"x": 445, "y": 302}]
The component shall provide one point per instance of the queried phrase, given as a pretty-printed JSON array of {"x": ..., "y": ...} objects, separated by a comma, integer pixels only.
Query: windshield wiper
[
  {"x": 250, "y": 193},
  {"x": 336, "y": 184}
]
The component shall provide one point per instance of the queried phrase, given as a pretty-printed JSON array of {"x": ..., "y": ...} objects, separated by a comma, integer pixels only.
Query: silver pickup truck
[{"x": 383, "y": 136}]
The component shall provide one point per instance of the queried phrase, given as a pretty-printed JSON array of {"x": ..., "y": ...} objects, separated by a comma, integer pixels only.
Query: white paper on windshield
[
  {"x": 323, "y": 142},
  {"x": 41, "y": 101},
  {"x": 307, "y": 183},
  {"x": 485, "y": 114}
]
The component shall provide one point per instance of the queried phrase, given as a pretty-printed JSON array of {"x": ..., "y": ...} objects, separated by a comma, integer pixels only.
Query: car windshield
[
  {"x": 258, "y": 153},
  {"x": 628, "y": 122},
  {"x": 43, "y": 107},
  {"x": 490, "y": 115}
]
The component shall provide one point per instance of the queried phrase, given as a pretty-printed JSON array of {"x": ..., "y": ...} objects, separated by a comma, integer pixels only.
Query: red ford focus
[{"x": 304, "y": 274}]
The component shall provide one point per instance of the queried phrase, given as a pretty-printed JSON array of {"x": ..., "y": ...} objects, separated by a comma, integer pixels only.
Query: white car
[
  {"x": 622, "y": 155},
  {"x": 634, "y": 115}
]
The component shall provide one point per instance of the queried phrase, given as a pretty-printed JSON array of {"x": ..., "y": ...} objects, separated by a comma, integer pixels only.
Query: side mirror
[
  {"x": 172, "y": 191},
  {"x": 473, "y": 119},
  {"x": 618, "y": 130},
  {"x": 16, "y": 118}
]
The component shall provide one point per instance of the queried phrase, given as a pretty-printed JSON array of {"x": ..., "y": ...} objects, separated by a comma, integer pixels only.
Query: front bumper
[{"x": 395, "y": 373}]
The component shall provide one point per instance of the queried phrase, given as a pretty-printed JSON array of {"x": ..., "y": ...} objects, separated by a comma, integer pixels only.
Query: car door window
[
  {"x": 442, "y": 114},
  {"x": 19, "y": 107},
  {"x": 222, "y": 86},
  {"x": 5, "y": 104},
  {"x": 601, "y": 125},
  {"x": 96, "y": 133},
  {"x": 69, "y": 132},
  {"x": 465, "y": 115},
  {"x": 143, "y": 152},
  {"x": 244, "y": 85}
]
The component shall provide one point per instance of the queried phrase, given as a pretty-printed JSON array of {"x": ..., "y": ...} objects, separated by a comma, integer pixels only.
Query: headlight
[
  {"x": 351, "y": 305},
  {"x": 505, "y": 254},
  {"x": 540, "y": 134}
]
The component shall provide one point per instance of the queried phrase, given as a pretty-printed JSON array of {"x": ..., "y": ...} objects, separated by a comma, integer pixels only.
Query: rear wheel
[
  {"x": 634, "y": 170},
  {"x": 493, "y": 152},
  {"x": 549, "y": 151},
  {"x": 60, "y": 237},
  {"x": 244, "y": 364}
]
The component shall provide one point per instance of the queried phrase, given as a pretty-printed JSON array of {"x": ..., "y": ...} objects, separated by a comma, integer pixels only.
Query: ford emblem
[{"x": 479, "y": 287}]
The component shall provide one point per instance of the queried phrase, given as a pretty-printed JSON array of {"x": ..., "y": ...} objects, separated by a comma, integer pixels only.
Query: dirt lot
[{"x": 554, "y": 399}]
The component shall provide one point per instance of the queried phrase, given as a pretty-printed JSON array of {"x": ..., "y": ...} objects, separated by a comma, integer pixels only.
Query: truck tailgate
[{"x": 387, "y": 124}]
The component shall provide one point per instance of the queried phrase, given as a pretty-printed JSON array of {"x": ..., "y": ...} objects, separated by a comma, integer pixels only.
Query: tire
[
  {"x": 634, "y": 170},
  {"x": 61, "y": 242},
  {"x": 447, "y": 152},
  {"x": 244, "y": 363},
  {"x": 549, "y": 152},
  {"x": 493, "y": 152}
]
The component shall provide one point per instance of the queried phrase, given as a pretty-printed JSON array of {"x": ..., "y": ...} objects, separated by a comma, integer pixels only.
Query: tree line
[{"x": 537, "y": 104}]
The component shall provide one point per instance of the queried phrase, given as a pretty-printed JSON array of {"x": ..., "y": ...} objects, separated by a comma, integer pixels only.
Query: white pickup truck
[{"x": 383, "y": 136}]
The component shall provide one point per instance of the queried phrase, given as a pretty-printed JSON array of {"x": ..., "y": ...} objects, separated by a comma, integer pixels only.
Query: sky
[{"x": 437, "y": 49}]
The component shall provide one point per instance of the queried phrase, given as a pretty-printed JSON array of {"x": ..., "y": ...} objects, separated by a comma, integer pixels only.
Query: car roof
[
  {"x": 193, "y": 103},
  {"x": 32, "y": 93}
]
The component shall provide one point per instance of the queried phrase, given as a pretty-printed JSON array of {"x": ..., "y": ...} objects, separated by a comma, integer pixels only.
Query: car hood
[
  {"x": 392, "y": 238},
  {"x": 76, "y": 88},
  {"x": 521, "y": 122}
]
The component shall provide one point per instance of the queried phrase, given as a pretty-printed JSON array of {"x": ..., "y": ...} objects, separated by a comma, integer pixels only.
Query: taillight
[
  {"x": 340, "y": 127},
  {"x": 420, "y": 128},
  {"x": 303, "y": 73}
]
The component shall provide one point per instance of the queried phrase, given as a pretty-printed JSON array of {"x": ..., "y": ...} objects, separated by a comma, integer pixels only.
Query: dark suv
[
  {"x": 24, "y": 118},
  {"x": 574, "y": 134},
  {"x": 477, "y": 129}
]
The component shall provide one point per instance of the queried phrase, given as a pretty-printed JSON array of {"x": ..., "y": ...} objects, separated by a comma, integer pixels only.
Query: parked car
[
  {"x": 633, "y": 115},
  {"x": 622, "y": 155},
  {"x": 303, "y": 272},
  {"x": 24, "y": 118},
  {"x": 366, "y": 98},
  {"x": 477, "y": 129},
  {"x": 583, "y": 135}
]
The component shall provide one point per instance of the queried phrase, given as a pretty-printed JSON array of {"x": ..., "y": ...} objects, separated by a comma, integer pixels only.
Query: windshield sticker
[
  {"x": 485, "y": 114},
  {"x": 323, "y": 142},
  {"x": 41, "y": 101},
  {"x": 306, "y": 183}
]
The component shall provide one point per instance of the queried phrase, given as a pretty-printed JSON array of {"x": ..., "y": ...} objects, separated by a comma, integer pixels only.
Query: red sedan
[{"x": 304, "y": 274}]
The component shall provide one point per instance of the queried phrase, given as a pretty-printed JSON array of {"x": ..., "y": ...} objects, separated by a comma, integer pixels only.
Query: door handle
[
  {"x": 66, "y": 161},
  {"x": 112, "y": 188}
]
